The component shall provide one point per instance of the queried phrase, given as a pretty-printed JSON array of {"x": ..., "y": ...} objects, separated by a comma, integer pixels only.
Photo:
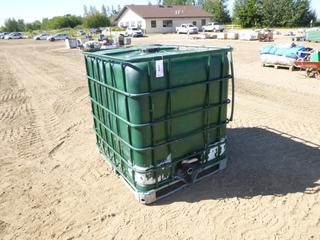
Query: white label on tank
[
  {"x": 213, "y": 153},
  {"x": 159, "y": 68},
  {"x": 222, "y": 148}
]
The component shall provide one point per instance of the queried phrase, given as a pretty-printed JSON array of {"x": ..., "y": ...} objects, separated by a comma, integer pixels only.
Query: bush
[
  {"x": 117, "y": 29},
  {"x": 270, "y": 13},
  {"x": 95, "y": 20},
  {"x": 59, "y": 22},
  {"x": 12, "y": 25}
]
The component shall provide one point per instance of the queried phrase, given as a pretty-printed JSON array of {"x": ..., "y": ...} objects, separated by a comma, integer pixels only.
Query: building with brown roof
[{"x": 161, "y": 18}]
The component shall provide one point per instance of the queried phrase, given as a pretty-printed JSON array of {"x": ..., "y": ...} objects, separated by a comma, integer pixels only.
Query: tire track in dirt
[
  {"x": 16, "y": 114},
  {"x": 20, "y": 142},
  {"x": 10, "y": 94},
  {"x": 34, "y": 126},
  {"x": 263, "y": 104},
  {"x": 13, "y": 134},
  {"x": 10, "y": 113},
  {"x": 55, "y": 93}
]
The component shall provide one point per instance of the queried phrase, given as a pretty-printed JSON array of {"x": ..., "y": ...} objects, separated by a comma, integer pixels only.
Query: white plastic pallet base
[{"x": 151, "y": 196}]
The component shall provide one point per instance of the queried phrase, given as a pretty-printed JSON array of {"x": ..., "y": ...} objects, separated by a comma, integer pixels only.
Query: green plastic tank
[
  {"x": 160, "y": 113},
  {"x": 315, "y": 57},
  {"x": 313, "y": 35}
]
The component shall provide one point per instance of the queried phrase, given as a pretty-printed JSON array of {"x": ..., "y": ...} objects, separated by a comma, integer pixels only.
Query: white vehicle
[
  {"x": 81, "y": 32},
  {"x": 42, "y": 36},
  {"x": 213, "y": 27},
  {"x": 187, "y": 28},
  {"x": 14, "y": 35},
  {"x": 2, "y": 35},
  {"x": 133, "y": 32},
  {"x": 59, "y": 36}
]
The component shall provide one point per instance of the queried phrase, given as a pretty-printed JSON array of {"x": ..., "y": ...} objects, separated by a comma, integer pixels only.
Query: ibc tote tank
[{"x": 160, "y": 113}]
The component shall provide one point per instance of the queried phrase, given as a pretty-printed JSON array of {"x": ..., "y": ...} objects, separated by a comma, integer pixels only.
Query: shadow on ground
[{"x": 262, "y": 161}]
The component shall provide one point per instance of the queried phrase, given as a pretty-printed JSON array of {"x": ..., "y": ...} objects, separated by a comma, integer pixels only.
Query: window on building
[
  {"x": 167, "y": 23},
  {"x": 203, "y": 22},
  {"x": 139, "y": 24},
  {"x": 126, "y": 24},
  {"x": 194, "y": 23},
  {"x": 133, "y": 24},
  {"x": 153, "y": 23}
]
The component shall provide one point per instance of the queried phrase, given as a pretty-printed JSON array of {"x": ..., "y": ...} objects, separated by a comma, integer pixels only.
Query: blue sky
[{"x": 31, "y": 10}]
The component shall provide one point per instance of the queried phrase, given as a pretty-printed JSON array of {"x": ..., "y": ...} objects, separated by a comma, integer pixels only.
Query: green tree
[
  {"x": 303, "y": 13},
  {"x": 218, "y": 9},
  {"x": 44, "y": 23},
  {"x": 21, "y": 25},
  {"x": 108, "y": 11},
  {"x": 92, "y": 9},
  {"x": 280, "y": 13},
  {"x": 268, "y": 17},
  {"x": 36, "y": 25},
  {"x": 283, "y": 12},
  {"x": 67, "y": 21},
  {"x": 113, "y": 10},
  {"x": 12, "y": 25},
  {"x": 85, "y": 10},
  {"x": 95, "y": 20},
  {"x": 103, "y": 10},
  {"x": 248, "y": 13}
]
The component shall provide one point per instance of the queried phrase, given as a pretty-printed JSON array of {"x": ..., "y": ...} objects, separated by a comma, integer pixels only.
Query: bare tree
[
  {"x": 103, "y": 10},
  {"x": 85, "y": 10}
]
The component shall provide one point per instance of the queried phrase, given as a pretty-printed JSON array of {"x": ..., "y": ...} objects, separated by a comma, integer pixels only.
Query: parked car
[
  {"x": 42, "y": 36},
  {"x": 2, "y": 35},
  {"x": 134, "y": 32},
  {"x": 14, "y": 35},
  {"x": 187, "y": 28},
  {"x": 95, "y": 30},
  {"x": 213, "y": 27},
  {"x": 81, "y": 33},
  {"x": 59, "y": 36}
]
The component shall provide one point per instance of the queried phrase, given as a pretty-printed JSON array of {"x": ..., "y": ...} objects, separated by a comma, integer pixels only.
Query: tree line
[
  {"x": 247, "y": 13},
  {"x": 92, "y": 18},
  {"x": 270, "y": 13},
  {"x": 256, "y": 13}
]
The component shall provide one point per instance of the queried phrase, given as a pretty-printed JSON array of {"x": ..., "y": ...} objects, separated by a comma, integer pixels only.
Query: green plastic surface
[
  {"x": 315, "y": 57},
  {"x": 313, "y": 36}
]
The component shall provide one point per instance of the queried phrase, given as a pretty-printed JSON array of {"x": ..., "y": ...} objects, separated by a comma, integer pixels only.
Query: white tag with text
[{"x": 159, "y": 68}]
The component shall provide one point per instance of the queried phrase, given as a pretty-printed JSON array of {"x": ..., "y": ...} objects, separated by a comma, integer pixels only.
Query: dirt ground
[{"x": 55, "y": 185}]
